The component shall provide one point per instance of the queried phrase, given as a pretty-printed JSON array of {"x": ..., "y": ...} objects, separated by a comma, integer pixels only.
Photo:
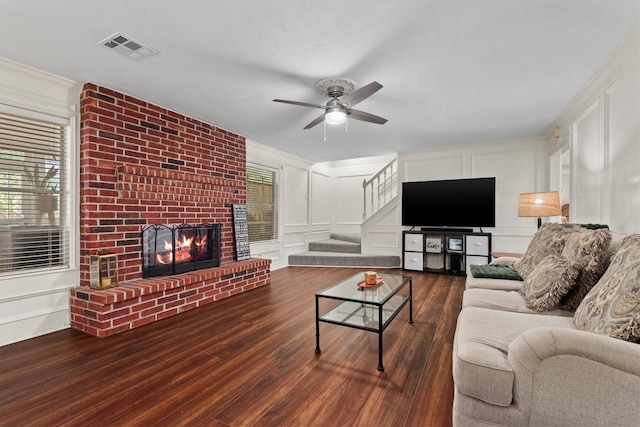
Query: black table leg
[
  {"x": 380, "y": 365},
  {"x": 317, "y": 327},
  {"x": 410, "y": 300}
]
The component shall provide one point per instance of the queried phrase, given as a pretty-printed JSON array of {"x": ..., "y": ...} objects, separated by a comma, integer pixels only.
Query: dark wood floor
[{"x": 246, "y": 360}]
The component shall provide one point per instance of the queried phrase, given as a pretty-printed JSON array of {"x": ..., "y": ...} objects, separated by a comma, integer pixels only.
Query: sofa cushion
[
  {"x": 548, "y": 240},
  {"x": 549, "y": 281},
  {"x": 505, "y": 260},
  {"x": 589, "y": 249},
  {"x": 480, "y": 367},
  {"x": 506, "y": 301},
  {"x": 612, "y": 307},
  {"x": 494, "y": 271},
  {"x": 485, "y": 283}
]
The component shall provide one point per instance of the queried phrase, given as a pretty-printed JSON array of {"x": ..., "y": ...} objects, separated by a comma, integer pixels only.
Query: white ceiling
[{"x": 453, "y": 71}]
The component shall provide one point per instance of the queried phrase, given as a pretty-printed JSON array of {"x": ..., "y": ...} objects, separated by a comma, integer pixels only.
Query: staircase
[{"x": 341, "y": 250}]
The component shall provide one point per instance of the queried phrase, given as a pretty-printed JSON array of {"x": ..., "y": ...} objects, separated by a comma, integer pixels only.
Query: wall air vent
[{"x": 126, "y": 47}]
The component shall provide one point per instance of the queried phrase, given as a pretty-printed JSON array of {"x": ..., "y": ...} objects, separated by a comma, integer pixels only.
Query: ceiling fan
[{"x": 343, "y": 97}]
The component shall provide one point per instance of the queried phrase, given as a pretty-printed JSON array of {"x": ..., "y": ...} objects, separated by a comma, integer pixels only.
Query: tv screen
[{"x": 450, "y": 203}]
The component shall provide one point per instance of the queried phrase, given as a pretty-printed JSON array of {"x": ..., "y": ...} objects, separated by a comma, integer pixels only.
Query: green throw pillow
[{"x": 494, "y": 271}]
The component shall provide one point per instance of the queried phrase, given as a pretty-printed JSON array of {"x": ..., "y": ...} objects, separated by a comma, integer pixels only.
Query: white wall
[
  {"x": 519, "y": 166},
  {"x": 294, "y": 208},
  {"x": 602, "y": 128},
  {"x": 601, "y": 125},
  {"x": 38, "y": 303},
  {"x": 315, "y": 199},
  {"x": 601, "y": 131},
  {"x": 347, "y": 177}
]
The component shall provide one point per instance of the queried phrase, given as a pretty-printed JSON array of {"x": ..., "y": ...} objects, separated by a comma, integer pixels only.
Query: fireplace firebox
[{"x": 174, "y": 249}]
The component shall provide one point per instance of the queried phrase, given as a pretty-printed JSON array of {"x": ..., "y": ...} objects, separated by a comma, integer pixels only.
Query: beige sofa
[{"x": 514, "y": 365}]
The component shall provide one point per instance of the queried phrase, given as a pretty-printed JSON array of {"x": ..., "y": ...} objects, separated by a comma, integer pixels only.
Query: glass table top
[{"x": 348, "y": 289}]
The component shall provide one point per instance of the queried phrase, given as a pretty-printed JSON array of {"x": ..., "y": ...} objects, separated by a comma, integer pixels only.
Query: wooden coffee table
[{"x": 367, "y": 308}]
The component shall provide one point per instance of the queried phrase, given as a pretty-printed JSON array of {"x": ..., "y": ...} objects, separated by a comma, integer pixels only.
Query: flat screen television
[{"x": 450, "y": 203}]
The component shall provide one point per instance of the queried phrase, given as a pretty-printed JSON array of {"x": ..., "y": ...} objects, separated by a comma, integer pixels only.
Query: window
[
  {"x": 262, "y": 203},
  {"x": 33, "y": 194}
]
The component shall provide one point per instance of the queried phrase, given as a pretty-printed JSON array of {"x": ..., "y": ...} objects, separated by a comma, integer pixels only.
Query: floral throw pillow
[
  {"x": 548, "y": 240},
  {"x": 589, "y": 249},
  {"x": 549, "y": 281},
  {"x": 612, "y": 307}
]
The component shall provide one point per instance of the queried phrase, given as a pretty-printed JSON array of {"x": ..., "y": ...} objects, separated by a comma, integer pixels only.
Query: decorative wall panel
[
  {"x": 348, "y": 204},
  {"x": 436, "y": 166},
  {"x": 588, "y": 164},
  {"x": 322, "y": 199},
  {"x": 295, "y": 194},
  {"x": 622, "y": 197}
]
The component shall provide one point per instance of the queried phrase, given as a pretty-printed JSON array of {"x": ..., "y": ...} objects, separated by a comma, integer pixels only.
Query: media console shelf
[{"x": 445, "y": 251}]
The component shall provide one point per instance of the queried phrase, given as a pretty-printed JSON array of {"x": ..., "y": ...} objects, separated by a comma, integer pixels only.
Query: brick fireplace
[{"x": 141, "y": 165}]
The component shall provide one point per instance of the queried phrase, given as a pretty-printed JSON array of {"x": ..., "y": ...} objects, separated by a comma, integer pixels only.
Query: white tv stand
[{"x": 445, "y": 251}]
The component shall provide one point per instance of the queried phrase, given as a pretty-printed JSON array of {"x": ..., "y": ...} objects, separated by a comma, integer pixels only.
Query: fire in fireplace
[{"x": 168, "y": 250}]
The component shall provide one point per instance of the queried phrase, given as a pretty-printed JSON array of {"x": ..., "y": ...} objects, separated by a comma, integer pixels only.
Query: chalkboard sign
[{"x": 241, "y": 232}]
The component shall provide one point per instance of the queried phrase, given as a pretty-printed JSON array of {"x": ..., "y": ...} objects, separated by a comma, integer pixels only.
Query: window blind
[
  {"x": 33, "y": 194},
  {"x": 262, "y": 203}
]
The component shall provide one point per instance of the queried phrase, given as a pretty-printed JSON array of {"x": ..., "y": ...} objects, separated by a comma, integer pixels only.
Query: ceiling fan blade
[
  {"x": 365, "y": 117},
  {"x": 316, "y": 121},
  {"x": 360, "y": 95},
  {"x": 303, "y": 104}
]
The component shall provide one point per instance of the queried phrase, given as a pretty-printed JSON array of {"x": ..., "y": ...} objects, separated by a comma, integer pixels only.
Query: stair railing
[{"x": 380, "y": 189}]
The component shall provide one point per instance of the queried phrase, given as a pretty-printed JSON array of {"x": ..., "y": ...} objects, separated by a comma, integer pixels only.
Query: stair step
[
  {"x": 335, "y": 259},
  {"x": 347, "y": 237},
  {"x": 333, "y": 245}
]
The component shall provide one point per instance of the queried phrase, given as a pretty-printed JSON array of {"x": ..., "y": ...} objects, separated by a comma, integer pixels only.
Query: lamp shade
[{"x": 539, "y": 204}]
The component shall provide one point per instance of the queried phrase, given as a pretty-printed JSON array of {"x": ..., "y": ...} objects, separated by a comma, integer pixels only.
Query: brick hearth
[
  {"x": 138, "y": 302},
  {"x": 142, "y": 164}
]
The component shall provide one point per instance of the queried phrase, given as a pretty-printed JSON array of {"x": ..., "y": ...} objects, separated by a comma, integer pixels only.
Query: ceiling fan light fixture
[
  {"x": 335, "y": 117},
  {"x": 343, "y": 99}
]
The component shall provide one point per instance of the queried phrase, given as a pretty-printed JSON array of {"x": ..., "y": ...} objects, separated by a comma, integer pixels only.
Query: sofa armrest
[{"x": 570, "y": 377}]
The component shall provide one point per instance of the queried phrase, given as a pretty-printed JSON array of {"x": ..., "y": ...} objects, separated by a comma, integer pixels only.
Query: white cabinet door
[
  {"x": 413, "y": 242},
  {"x": 413, "y": 261},
  {"x": 477, "y": 245}
]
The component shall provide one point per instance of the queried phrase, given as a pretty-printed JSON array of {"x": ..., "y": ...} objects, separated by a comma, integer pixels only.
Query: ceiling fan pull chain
[{"x": 325, "y": 130}]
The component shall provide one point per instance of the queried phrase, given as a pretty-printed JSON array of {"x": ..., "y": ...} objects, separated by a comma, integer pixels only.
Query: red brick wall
[
  {"x": 143, "y": 164},
  {"x": 138, "y": 302}
]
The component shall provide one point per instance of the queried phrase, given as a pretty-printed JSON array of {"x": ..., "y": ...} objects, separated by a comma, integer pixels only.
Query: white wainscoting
[
  {"x": 622, "y": 181},
  {"x": 433, "y": 166},
  {"x": 348, "y": 203},
  {"x": 322, "y": 199},
  {"x": 588, "y": 164},
  {"x": 604, "y": 136},
  {"x": 519, "y": 166},
  {"x": 37, "y": 303},
  {"x": 295, "y": 195}
]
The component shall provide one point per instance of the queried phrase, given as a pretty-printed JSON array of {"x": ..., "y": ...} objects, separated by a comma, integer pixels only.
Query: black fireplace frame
[{"x": 153, "y": 235}]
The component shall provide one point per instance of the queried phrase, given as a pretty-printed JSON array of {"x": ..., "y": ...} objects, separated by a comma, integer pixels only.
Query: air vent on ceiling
[{"x": 125, "y": 46}]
